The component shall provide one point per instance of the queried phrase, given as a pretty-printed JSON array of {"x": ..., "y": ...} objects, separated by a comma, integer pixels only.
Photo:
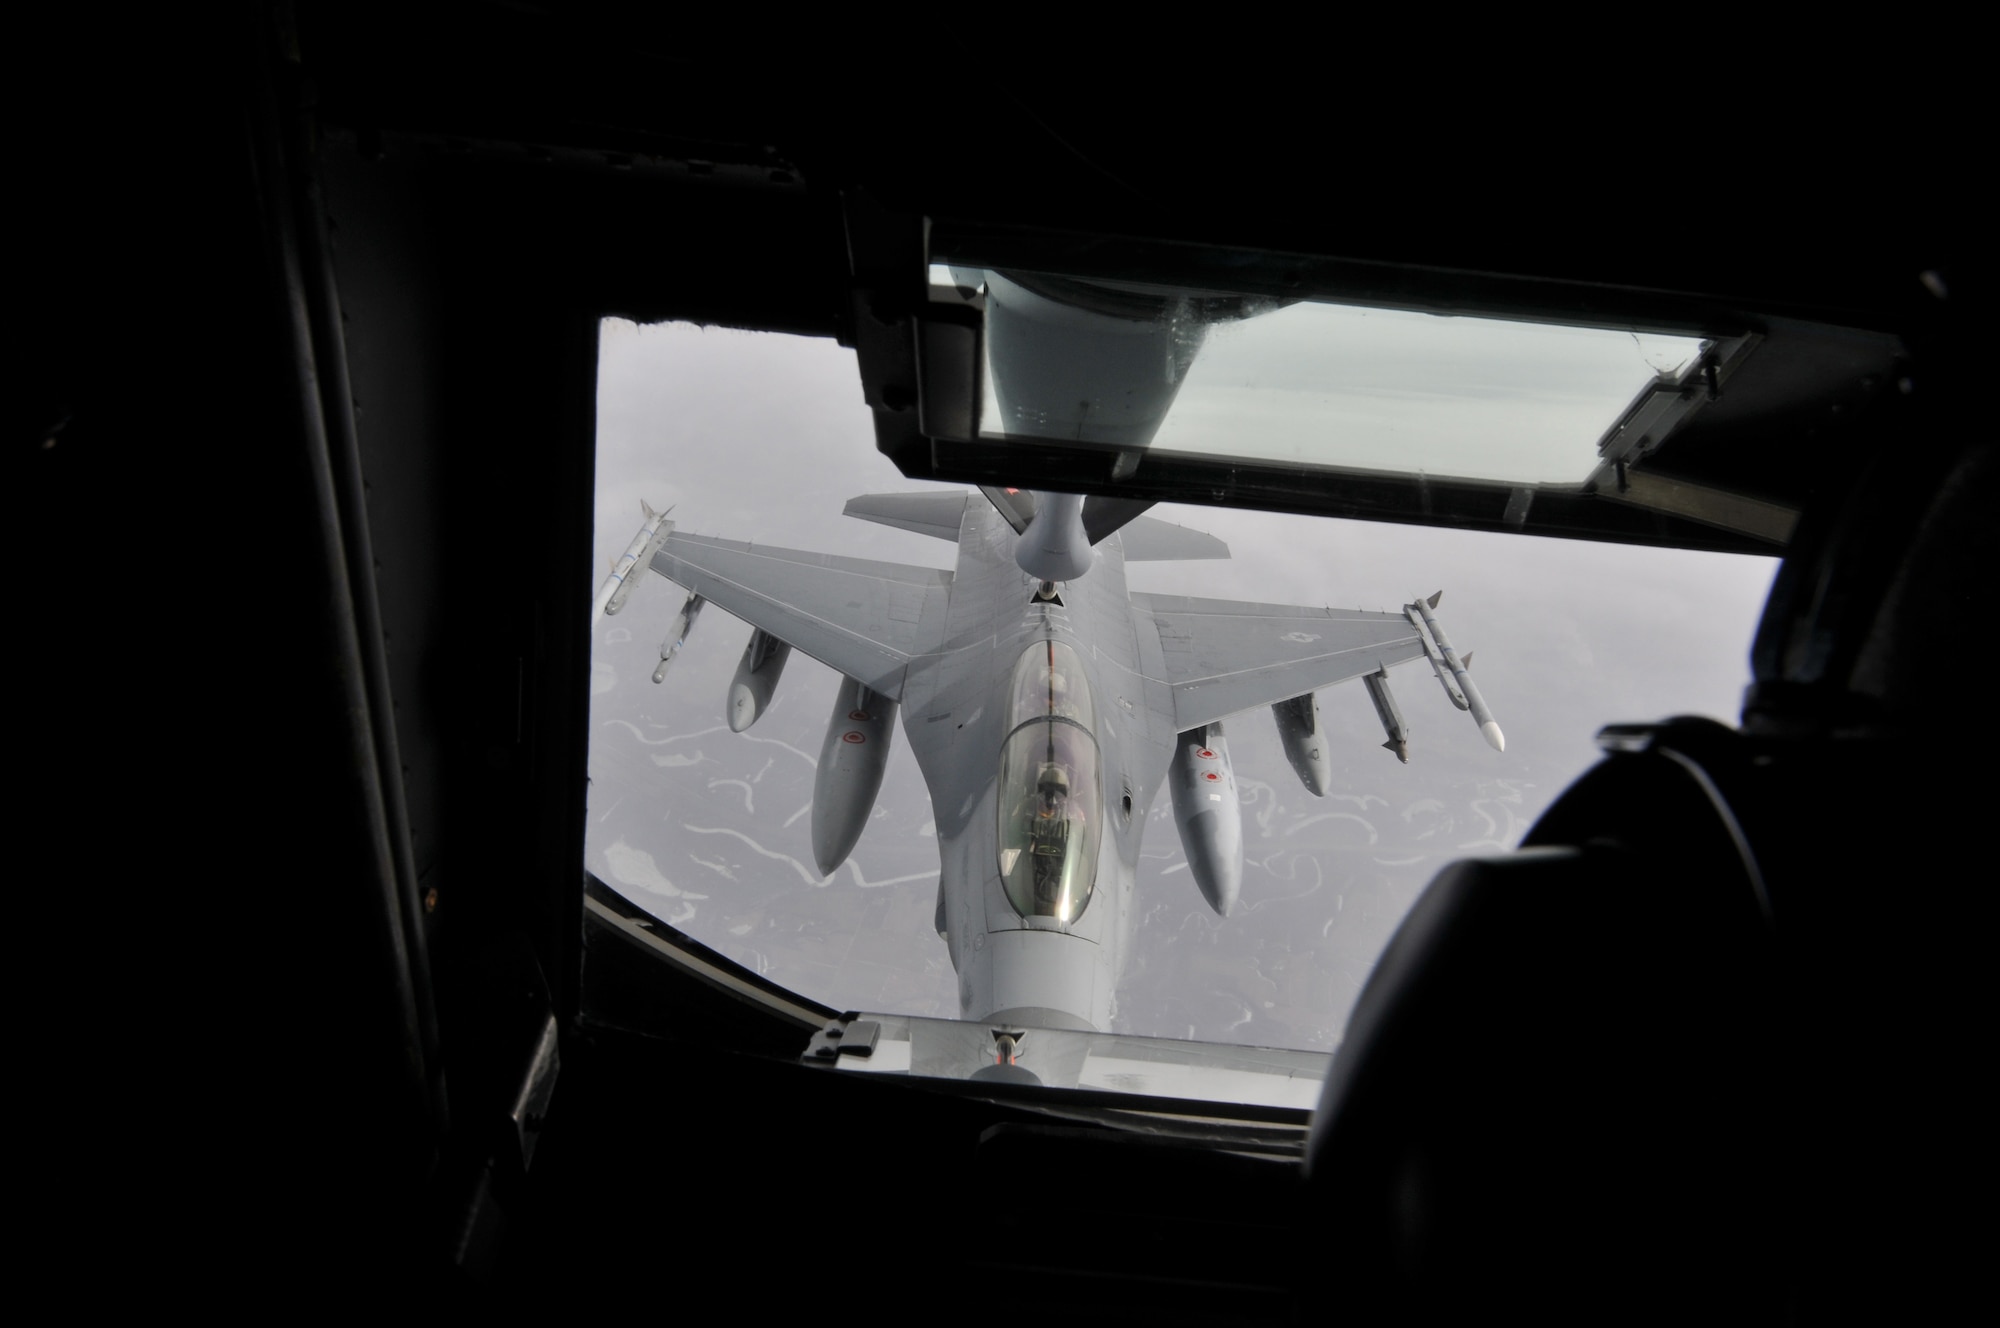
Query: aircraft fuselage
[{"x": 960, "y": 713}]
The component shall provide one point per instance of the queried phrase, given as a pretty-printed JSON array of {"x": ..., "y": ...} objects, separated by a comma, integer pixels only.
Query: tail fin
[
  {"x": 936, "y": 514},
  {"x": 1017, "y": 505},
  {"x": 1149, "y": 539}
]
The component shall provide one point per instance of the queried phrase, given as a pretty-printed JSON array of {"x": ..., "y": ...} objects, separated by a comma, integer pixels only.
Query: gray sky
[{"x": 764, "y": 437}]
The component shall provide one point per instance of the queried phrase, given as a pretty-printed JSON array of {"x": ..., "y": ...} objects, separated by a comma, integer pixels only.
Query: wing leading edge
[
  {"x": 862, "y": 618},
  {"x": 1226, "y": 656}
]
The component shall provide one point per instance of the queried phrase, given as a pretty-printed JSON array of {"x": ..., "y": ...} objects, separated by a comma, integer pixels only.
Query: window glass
[
  {"x": 763, "y": 438},
  {"x": 1049, "y": 680},
  {"x": 1307, "y": 382},
  {"x": 1051, "y": 814}
]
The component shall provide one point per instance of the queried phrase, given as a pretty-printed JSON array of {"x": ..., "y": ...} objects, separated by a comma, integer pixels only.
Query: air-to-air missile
[
  {"x": 1206, "y": 813},
  {"x": 1393, "y": 727},
  {"x": 630, "y": 567},
  {"x": 1466, "y": 694},
  {"x": 677, "y": 635}
]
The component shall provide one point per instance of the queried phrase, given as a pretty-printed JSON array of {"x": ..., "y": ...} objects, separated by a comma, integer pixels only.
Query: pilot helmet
[{"x": 1053, "y": 779}]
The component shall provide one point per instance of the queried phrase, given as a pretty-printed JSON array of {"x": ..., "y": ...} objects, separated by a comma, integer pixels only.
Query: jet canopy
[{"x": 1051, "y": 796}]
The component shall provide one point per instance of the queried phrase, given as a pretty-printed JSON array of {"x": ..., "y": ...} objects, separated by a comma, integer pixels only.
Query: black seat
[
  {"x": 1560, "y": 1078},
  {"x": 1705, "y": 1048}
]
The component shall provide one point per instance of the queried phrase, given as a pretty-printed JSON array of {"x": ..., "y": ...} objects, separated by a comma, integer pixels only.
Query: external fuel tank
[
  {"x": 1207, "y": 815},
  {"x": 851, "y": 762},
  {"x": 756, "y": 679}
]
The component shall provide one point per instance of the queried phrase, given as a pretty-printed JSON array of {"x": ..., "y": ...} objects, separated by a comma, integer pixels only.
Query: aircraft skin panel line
[
  {"x": 859, "y": 617},
  {"x": 1224, "y": 657}
]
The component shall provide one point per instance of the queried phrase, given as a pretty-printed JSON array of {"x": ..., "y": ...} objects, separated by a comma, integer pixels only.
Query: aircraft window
[
  {"x": 1051, "y": 818},
  {"x": 1307, "y": 382},
  {"x": 1049, "y": 680},
  {"x": 762, "y": 438}
]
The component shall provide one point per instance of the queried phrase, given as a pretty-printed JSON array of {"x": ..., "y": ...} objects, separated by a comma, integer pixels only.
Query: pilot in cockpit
[
  {"x": 1049, "y": 814},
  {"x": 1051, "y": 798}
]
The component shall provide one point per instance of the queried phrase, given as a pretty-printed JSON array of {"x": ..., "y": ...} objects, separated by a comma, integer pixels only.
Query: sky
[{"x": 764, "y": 437}]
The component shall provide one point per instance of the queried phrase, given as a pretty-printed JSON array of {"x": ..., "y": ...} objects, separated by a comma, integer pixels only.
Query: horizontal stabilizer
[
  {"x": 1107, "y": 516},
  {"x": 1151, "y": 540},
  {"x": 935, "y": 513},
  {"x": 1016, "y": 505}
]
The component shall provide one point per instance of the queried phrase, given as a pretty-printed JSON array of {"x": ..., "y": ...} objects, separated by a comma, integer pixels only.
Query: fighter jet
[{"x": 1045, "y": 704}]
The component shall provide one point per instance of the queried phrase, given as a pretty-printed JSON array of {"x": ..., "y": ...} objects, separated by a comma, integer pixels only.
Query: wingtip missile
[
  {"x": 627, "y": 569},
  {"x": 1401, "y": 749},
  {"x": 1473, "y": 701}
]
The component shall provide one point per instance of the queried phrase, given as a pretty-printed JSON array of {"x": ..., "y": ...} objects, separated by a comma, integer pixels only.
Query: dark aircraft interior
[{"x": 305, "y": 320}]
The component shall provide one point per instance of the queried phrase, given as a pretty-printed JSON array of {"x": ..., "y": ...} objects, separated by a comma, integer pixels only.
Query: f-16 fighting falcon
[{"x": 1045, "y": 705}]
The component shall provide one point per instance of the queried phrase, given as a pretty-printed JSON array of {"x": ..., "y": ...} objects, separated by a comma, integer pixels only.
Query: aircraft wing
[
  {"x": 863, "y": 618},
  {"x": 1225, "y": 656}
]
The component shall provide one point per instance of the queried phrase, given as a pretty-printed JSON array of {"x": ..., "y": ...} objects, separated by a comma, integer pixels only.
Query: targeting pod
[
  {"x": 677, "y": 634},
  {"x": 1304, "y": 737},
  {"x": 851, "y": 762},
  {"x": 1473, "y": 701},
  {"x": 1377, "y": 684},
  {"x": 1207, "y": 815},
  {"x": 756, "y": 679}
]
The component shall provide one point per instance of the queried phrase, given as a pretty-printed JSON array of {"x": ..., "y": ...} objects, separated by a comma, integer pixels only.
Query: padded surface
[{"x": 1556, "y": 1090}]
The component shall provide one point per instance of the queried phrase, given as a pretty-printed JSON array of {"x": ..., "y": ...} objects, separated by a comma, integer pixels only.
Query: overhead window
[{"x": 1307, "y": 382}]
